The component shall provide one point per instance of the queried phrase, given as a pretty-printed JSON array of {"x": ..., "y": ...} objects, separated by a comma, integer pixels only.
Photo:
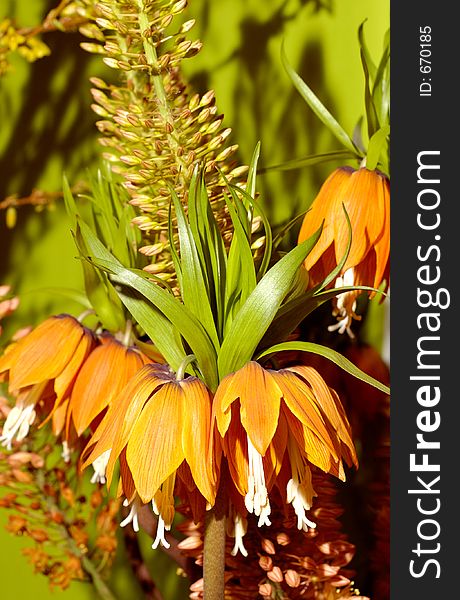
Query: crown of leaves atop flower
[{"x": 232, "y": 307}]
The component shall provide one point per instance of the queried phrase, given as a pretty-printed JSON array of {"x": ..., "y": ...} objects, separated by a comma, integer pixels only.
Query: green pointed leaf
[
  {"x": 158, "y": 328},
  {"x": 295, "y": 311},
  {"x": 366, "y": 56},
  {"x": 313, "y": 159},
  {"x": 376, "y": 145},
  {"x": 315, "y": 104},
  {"x": 256, "y": 314},
  {"x": 331, "y": 355},
  {"x": 178, "y": 314},
  {"x": 194, "y": 292}
]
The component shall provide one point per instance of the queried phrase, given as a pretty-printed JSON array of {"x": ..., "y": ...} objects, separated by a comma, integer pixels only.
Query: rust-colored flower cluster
[
  {"x": 283, "y": 561},
  {"x": 45, "y": 507}
]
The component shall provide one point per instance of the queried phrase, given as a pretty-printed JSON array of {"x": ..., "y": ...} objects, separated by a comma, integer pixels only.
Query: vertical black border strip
[{"x": 427, "y": 123}]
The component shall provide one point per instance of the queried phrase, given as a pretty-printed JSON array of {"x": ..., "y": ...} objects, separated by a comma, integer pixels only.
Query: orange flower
[
  {"x": 156, "y": 425},
  {"x": 105, "y": 373},
  {"x": 40, "y": 366},
  {"x": 366, "y": 197},
  {"x": 274, "y": 424}
]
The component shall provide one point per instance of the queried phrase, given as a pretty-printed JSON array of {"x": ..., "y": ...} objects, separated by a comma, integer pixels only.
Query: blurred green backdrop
[{"x": 47, "y": 129}]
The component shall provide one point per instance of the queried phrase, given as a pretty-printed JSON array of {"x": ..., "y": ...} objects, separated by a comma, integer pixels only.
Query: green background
[{"x": 47, "y": 128}]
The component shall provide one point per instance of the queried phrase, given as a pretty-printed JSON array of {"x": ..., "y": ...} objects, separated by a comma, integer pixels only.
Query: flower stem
[
  {"x": 214, "y": 551},
  {"x": 99, "y": 584}
]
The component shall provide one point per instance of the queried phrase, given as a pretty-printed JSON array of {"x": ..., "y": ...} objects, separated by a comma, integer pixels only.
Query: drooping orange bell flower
[
  {"x": 156, "y": 425},
  {"x": 366, "y": 197},
  {"x": 43, "y": 365},
  {"x": 273, "y": 424},
  {"x": 105, "y": 373}
]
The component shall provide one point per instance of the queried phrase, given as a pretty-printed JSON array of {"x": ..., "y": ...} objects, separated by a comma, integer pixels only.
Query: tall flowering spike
[
  {"x": 274, "y": 425},
  {"x": 366, "y": 197},
  {"x": 155, "y": 131},
  {"x": 157, "y": 425},
  {"x": 41, "y": 366}
]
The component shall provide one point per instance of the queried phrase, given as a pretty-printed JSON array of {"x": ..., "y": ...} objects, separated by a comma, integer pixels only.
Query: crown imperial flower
[{"x": 365, "y": 194}]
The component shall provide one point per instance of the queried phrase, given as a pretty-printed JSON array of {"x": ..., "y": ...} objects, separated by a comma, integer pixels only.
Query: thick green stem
[{"x": 214, "y": 551}]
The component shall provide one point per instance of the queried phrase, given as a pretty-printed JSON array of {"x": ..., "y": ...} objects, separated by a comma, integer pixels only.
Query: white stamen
[
  {"x": 100, "y": 466},
  {"x": 162, "y": 527},
  {"x": 299, "y": 489},
  {"x": 345, "y": 304},
  {"x": 297, "y": 495},
  {"x": 65, "y": 451},
  {"x": 132, "y": 517},
  {"x": 18, "y": 422},
  {"x": 256, "y": 500},
  {"x": 240, "y": 526}
]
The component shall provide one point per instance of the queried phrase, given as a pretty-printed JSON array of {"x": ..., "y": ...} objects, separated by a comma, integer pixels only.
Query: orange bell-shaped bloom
[
  {"x": 156, "y": 425},
  {"x": 43, "y": 365},
  {"x": 366, "y": 197},
  {"x": 274, "y": 424},
  {"x": 105, "y": 373}
]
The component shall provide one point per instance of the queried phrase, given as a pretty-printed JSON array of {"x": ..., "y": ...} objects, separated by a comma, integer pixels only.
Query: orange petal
[
  {"x": 328, "y": 401},
  {"x": 223, "y": 399},
  {"x": 154, "y": 450},
  {"x": 315, "y": 450},
  {"x": 44, "y": 353},
  {"x": 101, "y": 379},
  {"x": 235, "y": 446},
  {"x": 63, "y": 382},
  {"x": 326, "y": 207},
  {"x": 115, "y": 428},
  {"x": 260, "y": 399},
  {"x": 196, "y": 424},
  {"x": 301, "y": 403},
  {"x": 361, "y": 200}
]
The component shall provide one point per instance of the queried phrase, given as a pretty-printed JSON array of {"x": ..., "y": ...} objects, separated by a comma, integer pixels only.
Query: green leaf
[
  {"x": 256, "y": 314},
  {"x": 313, "y": 159},
  {"x": 194, "y": 292},
  {"x": 381, "y": 86},
  {"x": 159, "y": 329},
  {"x": 315, "y": 104},
  {"x": 366, "y": 56},
  {"x": 178, "y": 314},
  {"x": 251, "y": 180},
  {"x": 99, "y": 290},
  {"x": 268, "y": 245},
  {"x": 241, "y": 276},
  {"x": 331, "y": 355},
  {"x": 376, "y": 145},
  {"x": 295, "y": 311}
]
